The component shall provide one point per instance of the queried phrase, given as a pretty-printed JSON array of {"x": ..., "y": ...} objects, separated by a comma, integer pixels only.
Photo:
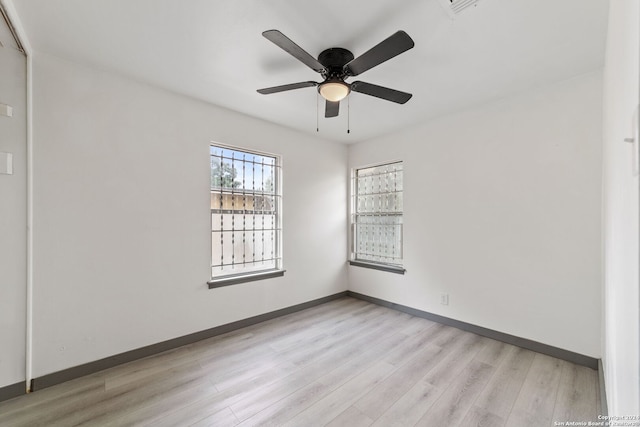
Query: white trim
[
  {"x": 9, "y": 8},
  {"x": 29, "y": 337},
  {"x": 11, "y": 12}
]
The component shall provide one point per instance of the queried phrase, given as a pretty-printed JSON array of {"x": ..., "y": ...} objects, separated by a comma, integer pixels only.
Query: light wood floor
[{"x": 344, "y": 363}]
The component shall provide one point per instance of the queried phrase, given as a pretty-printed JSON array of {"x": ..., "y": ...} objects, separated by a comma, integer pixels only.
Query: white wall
[
  {"x": 13, "y": 212},
  {"x": 620, "y": 214},
  {"x": 502, "y": 212},
  {"x": 122, "y": 223}
]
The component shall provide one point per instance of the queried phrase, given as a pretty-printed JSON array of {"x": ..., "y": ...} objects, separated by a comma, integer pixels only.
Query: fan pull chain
[
  {"x": 348, "y": 114},
  {"x": 317, "y": 113}
]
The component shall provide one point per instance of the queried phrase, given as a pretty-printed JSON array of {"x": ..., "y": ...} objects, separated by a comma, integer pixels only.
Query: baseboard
[
  {"x": 13, "y": 390},
  {"x": 560, "y": 353},
  {"x": 604, "y": 408},
  {"x": 129, "y": 356}
]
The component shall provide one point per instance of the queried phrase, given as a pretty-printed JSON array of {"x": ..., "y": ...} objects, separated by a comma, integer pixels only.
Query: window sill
[
  {"x": 243, "y": 278},
  {"x": 381, "y": 267}
]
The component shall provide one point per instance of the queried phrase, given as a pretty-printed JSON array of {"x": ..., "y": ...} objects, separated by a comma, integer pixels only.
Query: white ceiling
[{"x": 214, "y": 51}]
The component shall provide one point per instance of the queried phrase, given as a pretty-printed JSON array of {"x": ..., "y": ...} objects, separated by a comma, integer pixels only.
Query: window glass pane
[
  {"x": 377, "y": 218},
  {"x": 245, "y": 221}
]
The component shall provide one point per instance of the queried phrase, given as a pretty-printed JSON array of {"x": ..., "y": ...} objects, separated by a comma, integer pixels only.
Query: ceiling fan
[{"x": 337, "y": 64}]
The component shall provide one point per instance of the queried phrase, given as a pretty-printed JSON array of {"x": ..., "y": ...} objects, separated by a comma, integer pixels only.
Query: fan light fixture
[{"x": 334, "y": 91}]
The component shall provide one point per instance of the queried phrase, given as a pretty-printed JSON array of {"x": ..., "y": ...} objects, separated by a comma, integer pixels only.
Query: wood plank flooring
[{"x": 343, "y": 363}]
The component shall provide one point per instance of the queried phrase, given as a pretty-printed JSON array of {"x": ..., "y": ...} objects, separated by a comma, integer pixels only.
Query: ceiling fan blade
[
  {"x": 293, "y": 49},
  {"x": 332, "y": 109},
  {"x": 381, "y": 92},
  {"x": 276, "y": 89},
  {"x": 383, "y": 51}
]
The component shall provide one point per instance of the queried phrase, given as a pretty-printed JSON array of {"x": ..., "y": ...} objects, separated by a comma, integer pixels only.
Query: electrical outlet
[{"x": 444, "y": 299}]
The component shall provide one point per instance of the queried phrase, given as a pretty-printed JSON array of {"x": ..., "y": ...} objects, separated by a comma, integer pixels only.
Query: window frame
[
  {"x": 217, "y": 281},
  {"x": 353, "y": 253}
]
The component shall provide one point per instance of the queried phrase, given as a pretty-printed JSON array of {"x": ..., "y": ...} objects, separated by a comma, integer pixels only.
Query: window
[
  {"x": 245, "y": 216},
  {"x": 376, "y": 221}
]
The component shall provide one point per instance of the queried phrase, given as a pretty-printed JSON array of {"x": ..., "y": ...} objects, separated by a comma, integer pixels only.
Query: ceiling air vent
[{"x": 454, "y": 7}]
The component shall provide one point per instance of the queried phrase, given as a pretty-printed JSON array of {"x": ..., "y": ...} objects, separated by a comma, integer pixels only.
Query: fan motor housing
[{"x": 334, "y": 59}]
